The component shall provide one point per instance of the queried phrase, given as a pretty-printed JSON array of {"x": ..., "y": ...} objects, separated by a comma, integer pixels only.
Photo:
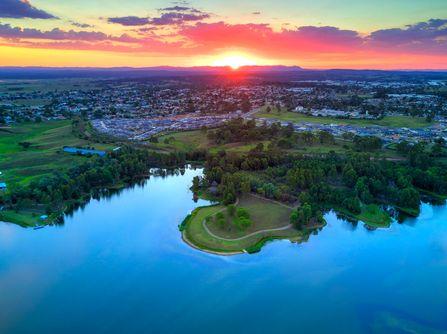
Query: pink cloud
[
  {"x": 424, "y": 40},
  {"x": 263, "y": 40}
]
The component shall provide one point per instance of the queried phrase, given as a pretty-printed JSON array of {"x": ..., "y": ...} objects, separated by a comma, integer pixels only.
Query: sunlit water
[{"x": 120, "y": 266}]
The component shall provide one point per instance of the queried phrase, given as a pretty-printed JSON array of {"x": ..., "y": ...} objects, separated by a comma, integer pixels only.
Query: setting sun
[{"x": 234, "y": 61}]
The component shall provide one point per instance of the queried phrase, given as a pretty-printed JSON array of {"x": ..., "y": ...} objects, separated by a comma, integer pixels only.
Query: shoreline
[{"x": 192, "y": 245}]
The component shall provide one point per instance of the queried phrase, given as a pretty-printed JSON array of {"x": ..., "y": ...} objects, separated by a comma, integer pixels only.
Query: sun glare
[{"x": 234, "y": 61}]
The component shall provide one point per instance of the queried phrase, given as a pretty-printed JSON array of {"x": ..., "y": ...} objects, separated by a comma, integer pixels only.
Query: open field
[
  {"x": 374, "y": 216},
  {"x": 388, "y": 121},
  {"x": 46, "y": 85},
  {"x": 266, "y": 215},
  {"x": 187, "y": 141},
  {"x": 371, "y": 215},
  {"x": 44, "y": 156},
  {"x": 26, "y": 218},
  {"x": 190, "y": 140}
]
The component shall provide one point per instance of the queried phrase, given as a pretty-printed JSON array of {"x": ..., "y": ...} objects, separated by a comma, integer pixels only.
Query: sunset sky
[{"x": 379, "y": 34}]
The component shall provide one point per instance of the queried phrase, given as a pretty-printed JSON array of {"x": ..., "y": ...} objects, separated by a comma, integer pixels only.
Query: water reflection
[{"x": 118, "y": 265}]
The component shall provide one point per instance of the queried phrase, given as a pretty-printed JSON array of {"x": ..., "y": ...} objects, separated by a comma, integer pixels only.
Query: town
[{"x": 139, "y": 109}]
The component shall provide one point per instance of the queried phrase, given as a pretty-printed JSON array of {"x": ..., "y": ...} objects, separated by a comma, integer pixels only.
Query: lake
[{"x": 119, "y": 266}]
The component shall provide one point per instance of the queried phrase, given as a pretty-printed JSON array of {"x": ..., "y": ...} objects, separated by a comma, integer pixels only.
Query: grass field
[
  {"x": 187, "y": 141},
  {"x": 25, "y": 218},
  {"x": 47, "y": 85},
  {"x": 372, "y": 215},
  {"x": 44, "y": 156},
  {"x": 388, "y": 121},
  {"x": 190, "y": 140},
  {"x": 264, "y": 214}
]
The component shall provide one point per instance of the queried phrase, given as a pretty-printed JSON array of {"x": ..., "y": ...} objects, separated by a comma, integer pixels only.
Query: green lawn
[
  {"x": 24, "y": 218},
  {"x": 190, "y": 140},
  {"x": 187, "y": 141},
  {"x": 388, "y": 121},
  {"x": 265, "y": 215},
  {"x": 44, "y": 157},
  {"x": 372, "y": 215}
]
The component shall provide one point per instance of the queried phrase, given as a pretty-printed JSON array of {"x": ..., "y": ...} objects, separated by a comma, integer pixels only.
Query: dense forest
[{"x": 344, "y": 182}]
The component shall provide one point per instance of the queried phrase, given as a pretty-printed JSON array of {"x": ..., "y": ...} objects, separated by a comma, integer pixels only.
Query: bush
[
  {"x": 231, "y": 210},
  {"x": 242, "y": 213},
  {"x": 242, "y": 223}
]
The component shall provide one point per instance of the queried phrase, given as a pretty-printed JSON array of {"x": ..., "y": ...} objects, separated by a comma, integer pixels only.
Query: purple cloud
[
  {"x": 422, "y": 37},
  {"x": 180, "y": 9},
  {"x": 129, "y": 20},
  {"x": 81, "y": 25},
  {"x": 174, "y": 18},
  {"x": 14, "y": 33},
  {"x": 176, "y": 9},
  {"x": 18, "y": 9}
]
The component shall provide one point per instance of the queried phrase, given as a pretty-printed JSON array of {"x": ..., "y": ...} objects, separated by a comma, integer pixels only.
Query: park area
[
  {"x": 187, "y": 141},
  {"x": 269, "y": 220},
  {"x": 387, "y": 121},
  {"x": 32, "y": 150}
]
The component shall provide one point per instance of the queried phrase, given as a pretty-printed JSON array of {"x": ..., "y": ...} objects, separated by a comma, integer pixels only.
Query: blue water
[
  {"x": 120, "y": 266},
  {"x": 83, "y": 151}
]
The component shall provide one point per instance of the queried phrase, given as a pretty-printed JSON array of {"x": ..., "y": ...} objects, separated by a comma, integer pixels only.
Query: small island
[{"x": 242, "y": 227}]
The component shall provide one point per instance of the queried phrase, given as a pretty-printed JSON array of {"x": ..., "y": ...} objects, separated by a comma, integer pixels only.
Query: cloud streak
[
  {"x": 176, "y": 15},
  {"x": 129, "y": 20},
  {"x": 18, "y": 9}
]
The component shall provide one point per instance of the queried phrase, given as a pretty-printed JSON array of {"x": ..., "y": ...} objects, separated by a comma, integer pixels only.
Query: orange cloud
[{"x": 421, "y": 45}]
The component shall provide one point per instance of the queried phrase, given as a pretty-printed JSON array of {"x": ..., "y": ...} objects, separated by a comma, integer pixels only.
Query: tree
[
  {"x": 409, "y": 198},
  {"x": 302, "y": 216},
  {"x": 294, "y": 218},
  {"x": 326, "y": 137},
  {"x": 352, "y": 204},
  {"x": 403, "y": 147},
  {"x": 349, "y": 175},
  {"x": 195, "y": 184},
  {"x": 245, "y": 104},
  {"x": 308, "y": 137},
  {"x": 231, "y": 210},
  {"x": 437, "y": 150},
  {"x": 25, "y": 144},
  {"x": 367, "y": 143}
]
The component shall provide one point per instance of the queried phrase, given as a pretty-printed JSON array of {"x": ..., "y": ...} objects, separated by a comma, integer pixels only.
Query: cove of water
[{"x": 119, "y": 266}]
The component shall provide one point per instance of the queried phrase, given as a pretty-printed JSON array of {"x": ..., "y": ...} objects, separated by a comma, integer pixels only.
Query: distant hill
[
  {"x": 267, "y": 72},
  {"x": 121, "y": 72}
]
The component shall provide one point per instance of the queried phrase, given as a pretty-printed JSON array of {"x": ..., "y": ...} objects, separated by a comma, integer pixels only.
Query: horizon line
[{"x": 229, "y": 68}]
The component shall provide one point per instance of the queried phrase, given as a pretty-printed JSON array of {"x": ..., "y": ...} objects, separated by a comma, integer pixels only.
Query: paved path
[{"x": 245, "y": 236}]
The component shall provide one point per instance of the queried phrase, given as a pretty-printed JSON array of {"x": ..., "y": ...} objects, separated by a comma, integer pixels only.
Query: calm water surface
[{"x": 119, "y": 266}]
